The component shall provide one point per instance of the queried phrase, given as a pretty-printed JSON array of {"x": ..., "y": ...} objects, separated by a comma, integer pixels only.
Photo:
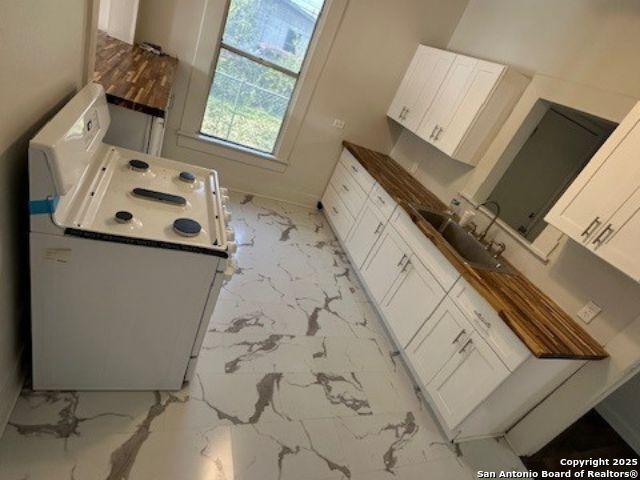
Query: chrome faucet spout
[{"x": 482, "y": 235}]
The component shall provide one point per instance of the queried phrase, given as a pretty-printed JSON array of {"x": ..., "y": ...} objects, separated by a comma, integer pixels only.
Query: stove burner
[
  {"x": 187, "y": 227},
  {"x": 123, "y": 216},
  {"x": 138, "y": 165},
  {"x": 187, "y": 177}
]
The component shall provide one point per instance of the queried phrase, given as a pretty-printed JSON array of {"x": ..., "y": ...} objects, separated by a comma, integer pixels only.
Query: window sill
[{"x": 229, "y": 151}]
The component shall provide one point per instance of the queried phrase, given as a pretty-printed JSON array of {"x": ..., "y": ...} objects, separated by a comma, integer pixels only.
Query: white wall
[
  {"x": 590, "y": 42},
  {"x": 42, "y": 61},
  {"x": 374, "y": 44}
]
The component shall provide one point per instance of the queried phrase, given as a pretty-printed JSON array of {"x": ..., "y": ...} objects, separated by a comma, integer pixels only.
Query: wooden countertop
[
  {"x": 537, "y": 320},
  {"x": 134, "y": 78}
]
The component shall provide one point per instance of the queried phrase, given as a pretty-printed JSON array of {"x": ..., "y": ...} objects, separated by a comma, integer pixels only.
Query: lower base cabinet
[
  {"x": 442, "y": 335},
  {"x": 478, "y": 377},
  {"x": 365, "y": 232},
  {"x": 411, "y": 301},
  {"x": 337, "y": 212},
  {"x": 466, "y": 379}
]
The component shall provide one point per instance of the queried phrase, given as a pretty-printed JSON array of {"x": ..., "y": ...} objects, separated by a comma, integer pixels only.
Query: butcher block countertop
[
  {"x": 134, "y": 78},
  {"x": 536, "y": 319}
]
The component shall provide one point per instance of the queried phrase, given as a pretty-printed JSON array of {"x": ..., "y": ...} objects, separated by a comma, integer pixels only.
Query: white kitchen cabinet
[
  {"x": 411, "y": 300},
  {"x": 489, "y": 325},
  {"x": 455, "y": 86},
  {"x": 455, "y": 102},
  {"x": 349, "y": 190},
  {"x": 468, "y": 377},
  {"x": 618, "y": 242},
  {"x": 599, "y": 209},
  {"x": 474, "y": 101},
  {"x": 442, "y": 335},
  {"x": 337, "y": 212},
  {"x": 365, "y": 232},
  {"x": 384, "y": 263},
  {"x": 359, "y": 173},
  {"x": 420, "y": 85}
]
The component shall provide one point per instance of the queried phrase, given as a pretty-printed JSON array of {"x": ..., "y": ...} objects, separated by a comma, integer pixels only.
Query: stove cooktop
[{"x": 132, "y": 195}]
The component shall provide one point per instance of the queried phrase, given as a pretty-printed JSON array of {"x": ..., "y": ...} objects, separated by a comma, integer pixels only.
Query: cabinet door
[
  {"x": 450, "y": 95},
  {"x": 364, "y": 234},
  {"x": 420, "y": 85},
  {"x": 411, "y": 300},
  {"x": 603, "y": 186},
  {"x": 452, "y": 130},
  {"x": 466, "y": 380},
  {"x": 617, "y": 242},
  {"x": 384, "y": 264},
  {"x": 442, "y": 335}
]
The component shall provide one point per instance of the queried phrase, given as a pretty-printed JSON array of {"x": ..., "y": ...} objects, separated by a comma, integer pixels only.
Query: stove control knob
[
  {"x": 231, "y": 235},
  {"x": 232, "y": 247},
  {"x": 224, "y": 191},
  {"x": 225, "y": 199},
  {"x": 227, "y": 215}
]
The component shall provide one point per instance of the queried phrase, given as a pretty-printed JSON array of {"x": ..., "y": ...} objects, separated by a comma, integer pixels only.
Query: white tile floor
[{"x": 295, "y": 381}]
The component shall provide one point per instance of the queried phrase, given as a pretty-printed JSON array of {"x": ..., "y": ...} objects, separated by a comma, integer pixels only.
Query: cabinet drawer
[
  {"x": 337, "y": 213},
  {"x": 489, "y": 325},
  {"x": 381, "y": 199},
  {"x": 429, "y": 255},
  {"x": 359, "y": 173},
  {"x": 348, "y": 189}
]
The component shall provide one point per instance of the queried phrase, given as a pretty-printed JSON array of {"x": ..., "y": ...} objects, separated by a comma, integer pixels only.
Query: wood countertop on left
[
  {"x": 546, "y": 329},
  {"x": 134, "y": 78}
]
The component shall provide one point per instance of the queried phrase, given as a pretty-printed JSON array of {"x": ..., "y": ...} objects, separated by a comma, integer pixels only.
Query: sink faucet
[{"x": 482, "y": 235}]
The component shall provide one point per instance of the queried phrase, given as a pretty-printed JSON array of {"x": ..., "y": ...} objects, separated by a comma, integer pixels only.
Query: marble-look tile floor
[{"x": 296, "y": 380}]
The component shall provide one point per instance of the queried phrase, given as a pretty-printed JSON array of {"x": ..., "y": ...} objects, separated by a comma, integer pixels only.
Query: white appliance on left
[{"x": 128, "y": 254}]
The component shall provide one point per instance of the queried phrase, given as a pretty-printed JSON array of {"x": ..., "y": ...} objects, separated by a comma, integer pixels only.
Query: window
[{"x": 263, "y": 49}]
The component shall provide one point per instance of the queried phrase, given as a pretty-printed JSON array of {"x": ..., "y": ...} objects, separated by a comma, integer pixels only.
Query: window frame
[{"x": 203, "y": 70}]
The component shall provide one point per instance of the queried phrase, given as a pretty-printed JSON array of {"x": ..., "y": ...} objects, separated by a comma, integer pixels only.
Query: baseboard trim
[
  {"x": 10, "y": 391},
  {"x": 629, "y": 435}
]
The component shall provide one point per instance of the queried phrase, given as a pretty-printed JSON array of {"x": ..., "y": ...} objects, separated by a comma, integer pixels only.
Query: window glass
[{"x": 263, "y": 49}]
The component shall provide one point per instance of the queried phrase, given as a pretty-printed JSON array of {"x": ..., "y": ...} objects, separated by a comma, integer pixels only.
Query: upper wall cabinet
[
  {"x": 420, "y": 86},
  {"x": 456, "y": 103},
  {"x": 601, "y": 208}
]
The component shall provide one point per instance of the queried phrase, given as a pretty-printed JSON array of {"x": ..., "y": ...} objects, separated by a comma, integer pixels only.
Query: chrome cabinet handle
[
  {"x": 485, "y": 322},
  {"x": 464, "y": 347},
  {"x": 404, "y": 255},
  {"x": 433, "y": 132},
  {"x": 440, "y": 130},
  {"x": 455, "y": 340},
  {"x": 591, "y": 228},
  {"x": 353, "y": 167},
  {"x": 406, "y": 112},
  {"x": 378, "y": 228},
  {"x": 406, "y": 265},
  {"x": 345, "y": 187},
  {"x": 334, "y": 210},
  {"x": 603, "y": 236},
  {"x": 381, "y": 200}
]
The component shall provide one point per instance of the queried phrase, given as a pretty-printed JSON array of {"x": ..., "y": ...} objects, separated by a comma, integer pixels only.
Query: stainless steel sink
[{"x": 462, "y": 242}]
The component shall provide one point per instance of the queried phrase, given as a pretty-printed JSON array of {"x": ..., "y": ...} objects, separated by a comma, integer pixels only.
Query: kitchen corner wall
[
  {"x": 372, "y": 49},
  {"x": 590, "y": 42},
  {"x": 42, "y": 62}
]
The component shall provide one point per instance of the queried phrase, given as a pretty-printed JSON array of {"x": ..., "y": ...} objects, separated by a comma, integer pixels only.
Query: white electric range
[{"x": 128, "y": 254}]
